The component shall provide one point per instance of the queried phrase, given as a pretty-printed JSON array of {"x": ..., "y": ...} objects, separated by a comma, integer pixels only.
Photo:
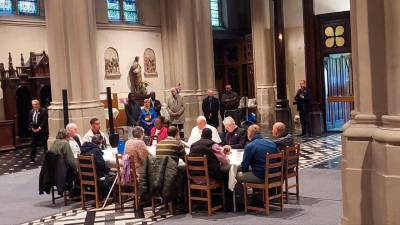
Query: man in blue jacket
[{"x": 254, "y": 156}]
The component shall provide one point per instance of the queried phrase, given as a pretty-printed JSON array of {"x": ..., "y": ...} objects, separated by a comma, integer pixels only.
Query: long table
[{"x": 235, "y": 159}]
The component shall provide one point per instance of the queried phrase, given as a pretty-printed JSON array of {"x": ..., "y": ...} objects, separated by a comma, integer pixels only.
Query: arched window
[
  {"x": 216, "y": 15},
  {"x": 122, "y": 11},
  {"x": 28, "y": 7},
  {"x": 22, "y": 7},
  {"x": 5, "y": 7}
]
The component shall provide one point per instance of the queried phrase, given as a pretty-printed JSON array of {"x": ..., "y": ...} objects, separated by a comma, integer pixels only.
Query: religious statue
[{"x": 135, "y": 75}]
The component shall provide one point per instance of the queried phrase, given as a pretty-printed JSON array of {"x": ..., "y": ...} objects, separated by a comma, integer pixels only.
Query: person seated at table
[
  {"x": 281, "y": 135},
  {"x": 159, "y": 131},
  {"x": 235, "y": 137},
  {"x": 75, "y": 140},
  {"x": 204, "y": 147},
  {"x": 137, "y": 148},
  {"x": 103, "y": 171},
  {"x": 61, "y": 146},
  {"x": 171, "y": 146},
  {"x": 254, "y": 156},
  {"x": 196, "y": 133},
  {"x": 147, "y": 117},
  {"x": 95, "y": 129}
]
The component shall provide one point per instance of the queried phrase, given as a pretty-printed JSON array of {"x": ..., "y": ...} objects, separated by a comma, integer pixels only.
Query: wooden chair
[
  {"x": 131, "y": 189},
  {"x": 273, "y": 181},
  {"x": 88, "y": 179},
  {"x": 199, "y": 165},
  {"x": 54, "y": 198},
  {"x": 292, "y": 156}
]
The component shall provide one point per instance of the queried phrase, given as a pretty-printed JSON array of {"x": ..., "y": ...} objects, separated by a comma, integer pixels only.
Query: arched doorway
[
  {"x": 45, "y": 96},
  {"x": 23, "y": 108}
]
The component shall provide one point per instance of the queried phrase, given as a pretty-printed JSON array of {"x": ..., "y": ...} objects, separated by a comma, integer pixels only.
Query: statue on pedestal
[{"x": 135, "y": 75}]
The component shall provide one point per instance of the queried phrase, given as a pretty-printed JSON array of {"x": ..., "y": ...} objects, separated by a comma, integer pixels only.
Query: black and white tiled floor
[
  {"x": 108, "y": 216},
  {"x": 19, "y": 160},
  {"x": 319, "y": 150}
]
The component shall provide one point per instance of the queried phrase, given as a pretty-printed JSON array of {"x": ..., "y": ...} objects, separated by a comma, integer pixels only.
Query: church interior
[{"x": 325, "y": 69}]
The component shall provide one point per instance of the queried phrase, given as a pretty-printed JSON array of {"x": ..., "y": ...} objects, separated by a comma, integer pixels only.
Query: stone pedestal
[{"x": 71, "y": 29}]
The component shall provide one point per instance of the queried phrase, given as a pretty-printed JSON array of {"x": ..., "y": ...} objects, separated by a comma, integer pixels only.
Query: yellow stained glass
[
  {"x": 339, "y": 31},
  {"x": 340, "y": 41},
  {"x": 329, "y": 32},
  {"x": 329, "y": 42}
]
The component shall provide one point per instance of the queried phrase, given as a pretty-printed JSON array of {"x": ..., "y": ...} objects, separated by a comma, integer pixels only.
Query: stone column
[
  {"x": 370, "y": 168},
  {"x": 71, "y": 30},
  {"x": 188, "y": 52},
  {"x": 263, "y": 56},
  {"x": 282, "y": 109}
]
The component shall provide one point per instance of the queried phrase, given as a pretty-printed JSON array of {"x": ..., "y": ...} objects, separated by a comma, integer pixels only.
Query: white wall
[
  {"x": 331, "y": 6},
  {"x": 129, "y": 44}
]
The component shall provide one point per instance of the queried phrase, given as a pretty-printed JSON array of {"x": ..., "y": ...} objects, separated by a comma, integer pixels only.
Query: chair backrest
[
  {"x": 197, "y": 169},
  {"x": 87, "y": 168},
  {"x": 292, "y": 156},
  {"x": 274, "y": 166},
  {"x": 120, "y": 167}
]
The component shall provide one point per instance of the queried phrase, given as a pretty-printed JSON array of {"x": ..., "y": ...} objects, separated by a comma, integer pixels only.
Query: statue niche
[
  {"x": 111, "y": 63},
  {"x": 150, "y": 68}
]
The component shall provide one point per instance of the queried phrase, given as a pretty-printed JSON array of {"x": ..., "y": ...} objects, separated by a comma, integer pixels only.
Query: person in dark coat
[
  {"x": 230, "y": 104},
  {"x": 93, "y": 148},
  {"x": 211, "y": 109},
  {"x": 235, "y": 137},
  {"x": 204, "y": 147},
  {"x": 38, "y": 125},
  {"x": 302, "y": 100},
  {"x": 132, "y": 111},
  {"x": 282, "y": 137},
  {"x": 155, "y": 104}
]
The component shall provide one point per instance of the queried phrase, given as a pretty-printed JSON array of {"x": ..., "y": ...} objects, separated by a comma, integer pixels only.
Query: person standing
[
  {"x": 155, "y": 104},
  {"x": 230, "y": 103},
  {"x": 211, "y": 108},
  {"x": 176, "y": 110},
  {"x": 38, "y": 124},
  {"x": 132, "y": 111},
  {"x": 302, "y": 100}
]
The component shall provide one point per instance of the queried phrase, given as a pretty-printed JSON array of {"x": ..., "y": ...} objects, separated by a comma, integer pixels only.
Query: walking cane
[{"x": 111, "y": 189}]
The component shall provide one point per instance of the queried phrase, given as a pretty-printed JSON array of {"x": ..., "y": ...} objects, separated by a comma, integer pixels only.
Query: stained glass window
[
  {"x": 113, "y": 9},
  {"x": 28, "y": 7},
  {"x": 130, "y": 11},
  {"x": 215, "y": 13},
  {"x": 5, "y": 7}
]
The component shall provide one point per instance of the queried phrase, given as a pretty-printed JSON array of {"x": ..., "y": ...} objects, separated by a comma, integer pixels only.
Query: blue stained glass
[
  {"x": 5, "y": 7},
  {"x": 215, "y": 13},
  {"x": 28, "y": 7},
  {"x": 130, "y": 11},
  {"x": 113, "y": 10}
]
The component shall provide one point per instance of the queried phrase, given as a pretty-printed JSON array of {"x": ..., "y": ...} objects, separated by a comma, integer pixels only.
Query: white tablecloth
[{"x": 235, "y": 159}]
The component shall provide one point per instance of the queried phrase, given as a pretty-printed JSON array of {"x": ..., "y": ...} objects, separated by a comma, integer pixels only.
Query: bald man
[
  {"x": 254, "y": 156},
  {"x": 211, "y": 109},
  {"x": 38, "y": 125},
  {"x": 281, "y": 136},
  {"x": 75, "y": 140},
  {"x": 195, "y": 135}
]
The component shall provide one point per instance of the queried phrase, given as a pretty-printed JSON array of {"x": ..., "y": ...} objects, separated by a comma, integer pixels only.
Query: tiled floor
[
  {"x": 19, "y": 160},
  {"x": 322, "y": 152},
  {"x": 108, "y": 216}
]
